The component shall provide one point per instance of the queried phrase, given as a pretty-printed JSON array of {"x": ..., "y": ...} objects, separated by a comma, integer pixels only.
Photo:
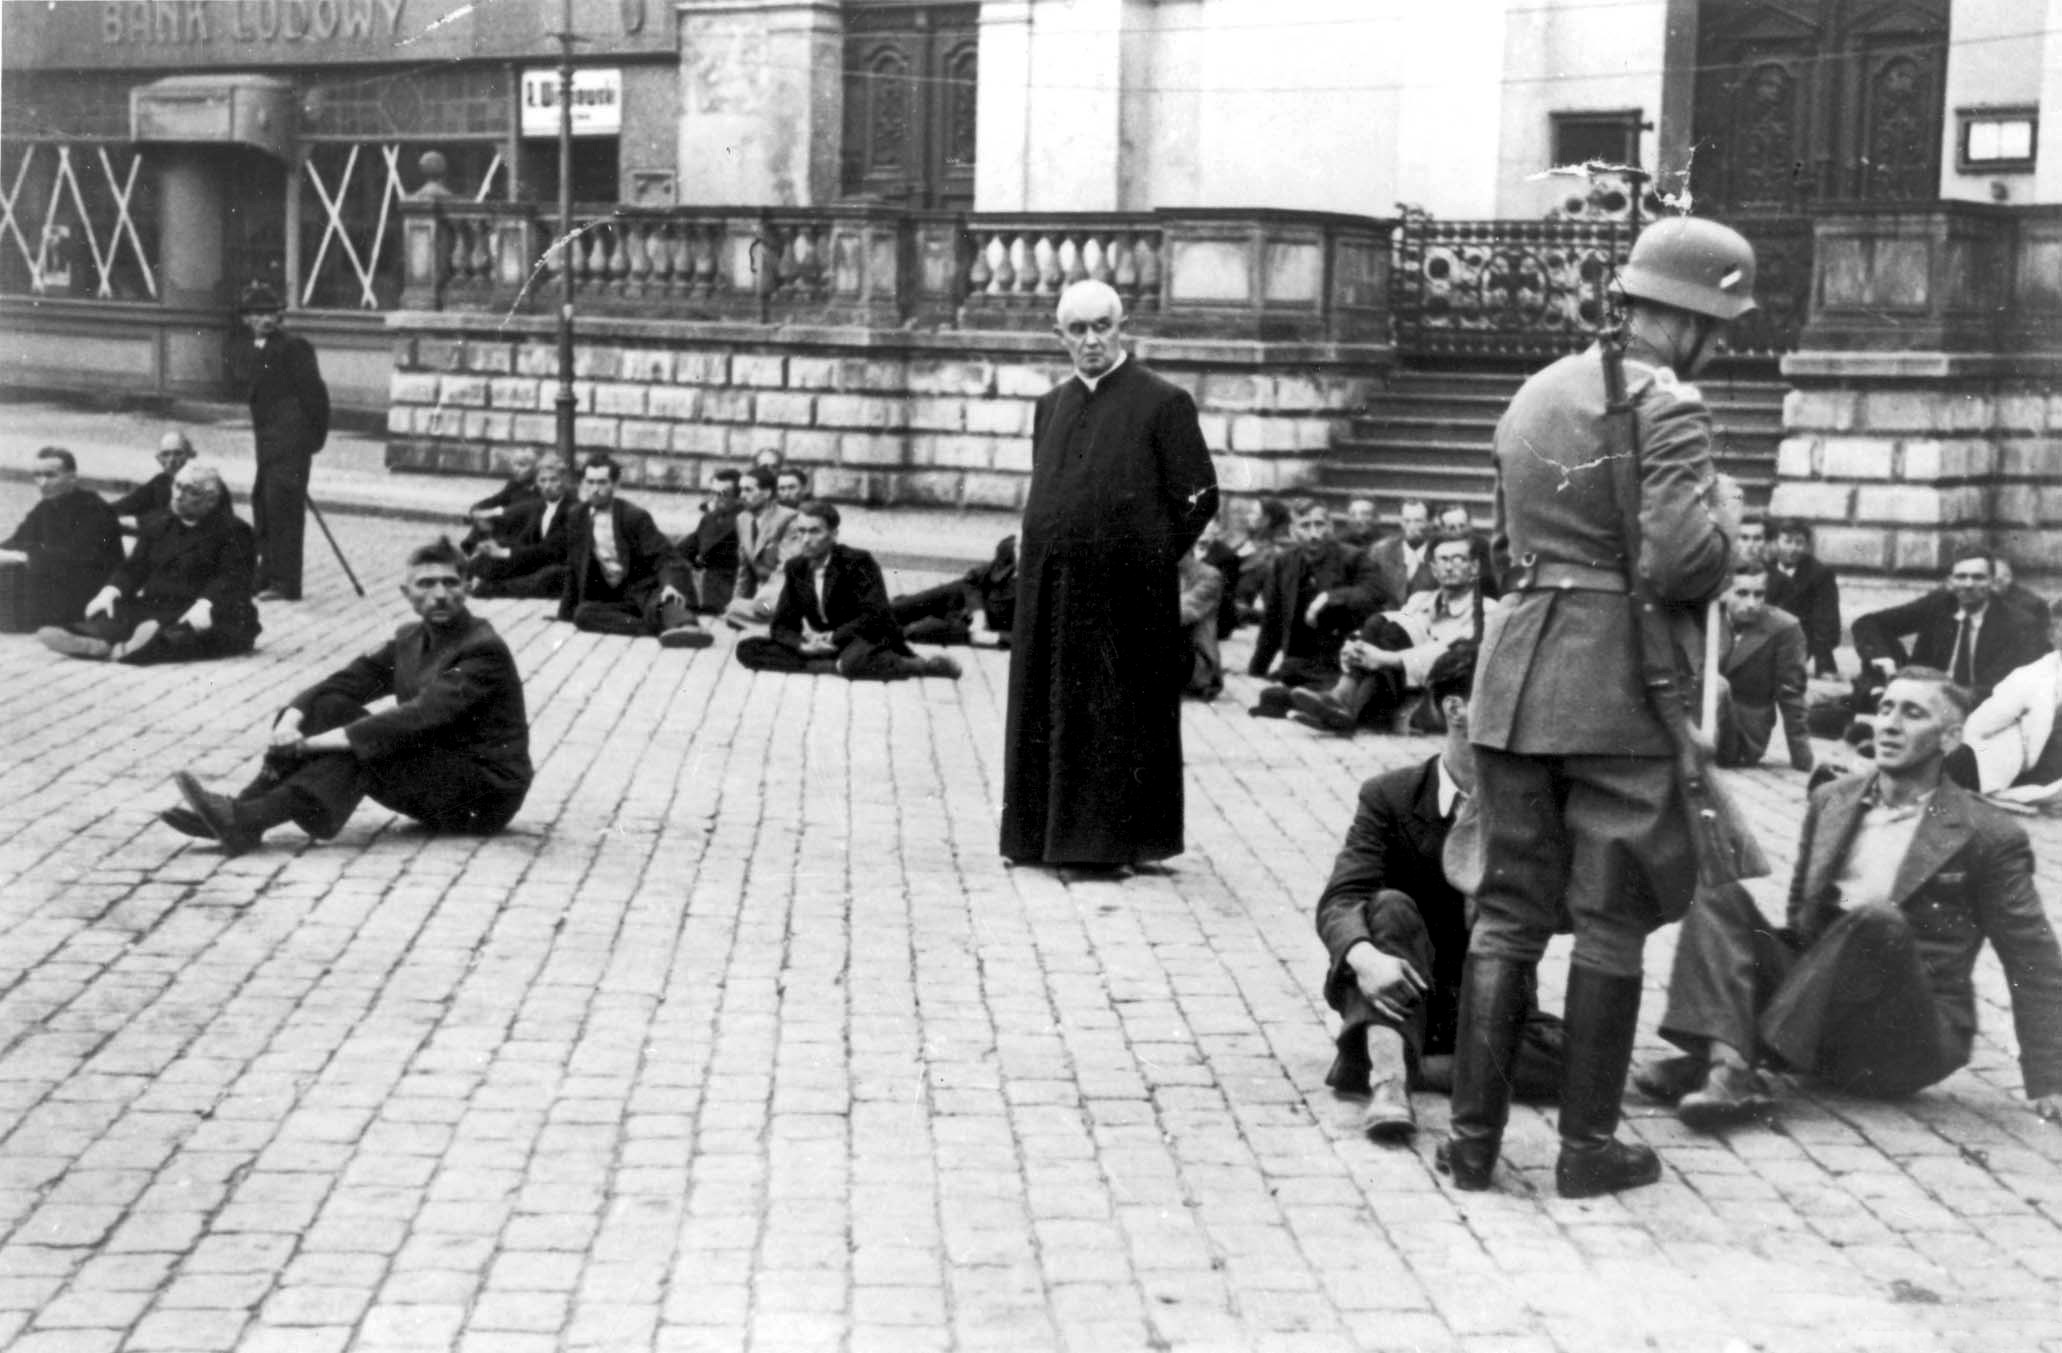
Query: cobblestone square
[{"x": 743, "y": 1038}]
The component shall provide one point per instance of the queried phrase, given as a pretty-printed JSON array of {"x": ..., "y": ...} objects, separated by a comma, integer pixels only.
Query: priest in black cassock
[{"x": 1121, "y": 485}]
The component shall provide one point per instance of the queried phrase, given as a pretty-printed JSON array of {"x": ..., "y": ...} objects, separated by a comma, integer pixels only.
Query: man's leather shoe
[
  {"x": 58, "y": 639},
  {"x": 1323, "y": 709},
  {"x": 274, "y": 594},
  {"x": 183, "y": 819},
  {"x": 1730, "y": 1095},
  {"x": 1590, "y": 1168},
  {"x": 1667, "y": 1079},
  {"x": 686, "y": 636},
  {"x": 1273, "y": 703},
  {"x": 1389, "y": 1116},
  {"x": 217, "y": 813},
  {"x": 939, "y": 666}
]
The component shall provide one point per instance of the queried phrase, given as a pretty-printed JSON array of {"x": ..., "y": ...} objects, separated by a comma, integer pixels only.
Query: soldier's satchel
[{"x": 1723, "y": 843}]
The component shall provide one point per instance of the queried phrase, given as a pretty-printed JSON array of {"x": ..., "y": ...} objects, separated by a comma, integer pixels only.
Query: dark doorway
[
  {"x": 1803, "y": 105},
  {"x": 910, "y": 78}
]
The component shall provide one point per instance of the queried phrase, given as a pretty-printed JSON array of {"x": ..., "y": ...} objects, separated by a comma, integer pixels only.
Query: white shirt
[
  {"x": 1450, "y": 791},
  {"x": 1975, "y": 619},
  {"x": 1882, "y": 839},
  {"x": 605, "y": 547},
  {"x": 1092, "y": 381},
  {"x": 550, "y": 513}
]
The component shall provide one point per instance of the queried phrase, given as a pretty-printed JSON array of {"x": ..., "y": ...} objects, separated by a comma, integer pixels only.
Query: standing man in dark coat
[
  {"x": 1583, "y": 818},
  {"x": 70, "y": 541},
  {"x": 452, "y": 751},
  {"x": 184, "y": 592},
  {"x": 1121, "y": 484},
  {"x": 290, "y": 419}
]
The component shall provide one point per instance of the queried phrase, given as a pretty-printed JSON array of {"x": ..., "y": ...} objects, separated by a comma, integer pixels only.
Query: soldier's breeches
[{"x": 1583, "y": 843}]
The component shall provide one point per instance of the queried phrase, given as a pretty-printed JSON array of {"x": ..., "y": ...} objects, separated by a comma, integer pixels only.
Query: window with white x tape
[
  {"x": 92, "y": 206},
  {"x": 360, "y": 255}
]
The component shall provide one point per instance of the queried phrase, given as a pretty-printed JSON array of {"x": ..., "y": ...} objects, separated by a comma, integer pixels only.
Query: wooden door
[
  {"x": 910, "y": 80},
  {"x": 1803, "y": 105}
]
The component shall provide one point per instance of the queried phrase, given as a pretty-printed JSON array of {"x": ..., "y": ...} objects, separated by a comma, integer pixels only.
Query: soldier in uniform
[{"x": 1582, "y": 815}]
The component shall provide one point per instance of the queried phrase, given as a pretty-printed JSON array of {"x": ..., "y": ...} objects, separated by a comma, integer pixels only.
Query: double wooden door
[
  {"x": 910, "y": 80},
  {"x": 1804, "y": 105}
]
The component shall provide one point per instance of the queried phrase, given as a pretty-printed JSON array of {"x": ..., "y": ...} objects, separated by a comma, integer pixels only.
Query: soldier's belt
[{"x": 1557, "y": 577}]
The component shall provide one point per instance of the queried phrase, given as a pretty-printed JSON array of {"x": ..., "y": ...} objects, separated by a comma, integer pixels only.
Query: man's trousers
[
  {"x": 279, "y": 518},
  {"x": 856, "y": 661},
  {"x": 1396, "y": 927},
  {"x": 1854, "y": 1009},
  {"x": 175, "y": 642},
  {"x": 442, "y": 789},
  {"x": 630, "y": 614},
  {"x": 1596, "y": 844}
]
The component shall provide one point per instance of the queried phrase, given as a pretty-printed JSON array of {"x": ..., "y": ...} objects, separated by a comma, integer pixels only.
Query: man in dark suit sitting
[
  {"x": 532, "y": 561},
  {"x": 1318, "y": 592},
  {"x": 2006, "y": 587},
  {"x": 944, "y": 614},
  {"x": 67, "y": 543},
  {"x": 1763, "y": 669},
  {"x": 833, "y": 615},
  {"x": 1901, "y": 877},
  {"x": 622, "y": 575},
  {"x": 452, "y": 751},
  {"x": 155, "y": 494},
  {"x": 1403, "y": 561},
  {"x": 1955, "y": 629},
  {"x": 711, "y": 550},
  {"x": 1800, "y": 584},
  {"x": 184, "y": 592},
  {"x": 1396, "y": 930}
]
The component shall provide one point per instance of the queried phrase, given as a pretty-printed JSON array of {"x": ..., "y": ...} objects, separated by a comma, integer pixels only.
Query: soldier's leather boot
[
  {"x": 1495, "y": 994},
  {"x": 1601, "y": 1014}
]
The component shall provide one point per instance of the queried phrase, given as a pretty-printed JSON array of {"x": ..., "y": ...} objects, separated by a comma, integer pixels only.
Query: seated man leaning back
[
  {"x": 452, "y": 751},
  {"x": 1901, "y": 877},
  {"x": 1396, "y": 929}
]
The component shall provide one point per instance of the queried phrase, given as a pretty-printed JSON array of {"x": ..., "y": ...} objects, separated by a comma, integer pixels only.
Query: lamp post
[{"x": 565, "y": 402}]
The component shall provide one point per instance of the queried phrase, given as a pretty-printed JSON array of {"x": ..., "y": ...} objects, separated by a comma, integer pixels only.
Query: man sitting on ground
[
  {"x": 2013, "y": 742},
  {"x": 710, "y": 550},
  {"x": 155, "y": 494},
  {"x": 452, "y": 752},
  {"x": 532, "y": 560},
  {"x": 492, "y": 516},
  {"x": 1202, "y": 586},
  {"x": 790, "y": 487},
  {"x": 1807, "y": 589},
  {"x": 943, "y": 614},
  {"x": 1955, "y": 628},
  {"x": 1901, "y": 876},
  {"x": 184, "y": 592},
  {"x": 1396, "y": 930},
  {"x": 2006, "y": 587},
  {"x": 1387, "y": 665},
  {"x": 1361, "y": 526},
  {"x": 1762, "y": 668},
  {"x": 1404, "y": 561},
  {"x": 760, "y": 526},
  {"x": 1318, "y": 592},
  {"x": 69, "y": 542},
  {"x": 833, "y": 614},
  {"x": 623, "y": 575}
]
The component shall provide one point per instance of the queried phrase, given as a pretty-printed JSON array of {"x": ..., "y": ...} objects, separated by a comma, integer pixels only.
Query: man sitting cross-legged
[
  {"x": 184, "y": 592},
  {"x": 622, "y": 575},
  {"x": 1386, "y": 666},
  {"x": 1901, "y": 876},
  {"x": 1396, "y": 929},
  {"x": 532, "y": 561},
  {"x": 710, "y": 550},
  {"x": 833, "y": 613},
  {"x": 452, "y": 752},
  {"x": 67, "y": 544}
]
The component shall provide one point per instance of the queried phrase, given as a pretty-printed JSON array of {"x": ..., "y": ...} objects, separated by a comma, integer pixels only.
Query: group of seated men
[
  {"x": 764, "y": 556},
  {"x": 182, "y": 591}
]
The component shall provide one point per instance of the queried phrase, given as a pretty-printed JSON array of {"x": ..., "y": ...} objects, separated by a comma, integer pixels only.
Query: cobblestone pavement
[{"x": 743, "y": 1039}]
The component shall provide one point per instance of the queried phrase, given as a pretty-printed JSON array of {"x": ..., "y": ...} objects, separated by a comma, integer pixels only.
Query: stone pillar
[
  {"x": 1072, "y": 105},
  {"x": 1922, "y": 419},
  {"x": 762, "y": 102},
  {"x": 189, "y": 228},
  {"x": 1002, "y": 114}
]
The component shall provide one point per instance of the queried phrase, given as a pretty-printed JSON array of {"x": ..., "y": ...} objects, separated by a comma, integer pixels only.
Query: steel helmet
[{"x": 1691, "y": 264}]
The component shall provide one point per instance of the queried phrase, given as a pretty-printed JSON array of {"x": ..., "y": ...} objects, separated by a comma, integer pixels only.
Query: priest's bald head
[{"x": 1090, "y": 322}]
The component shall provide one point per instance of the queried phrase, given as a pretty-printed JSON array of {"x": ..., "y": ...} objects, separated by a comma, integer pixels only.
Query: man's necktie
[{"x": 1964, "y": 669}]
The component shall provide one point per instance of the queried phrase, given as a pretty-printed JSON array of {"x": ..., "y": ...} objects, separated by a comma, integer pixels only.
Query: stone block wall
[
  {"x": 1896, "y": 468},
  {"x": 875, "y": 417}
]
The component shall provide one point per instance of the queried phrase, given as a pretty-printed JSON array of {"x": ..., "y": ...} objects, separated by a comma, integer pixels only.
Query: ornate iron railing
[{"x": 1500, "y": 289}]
